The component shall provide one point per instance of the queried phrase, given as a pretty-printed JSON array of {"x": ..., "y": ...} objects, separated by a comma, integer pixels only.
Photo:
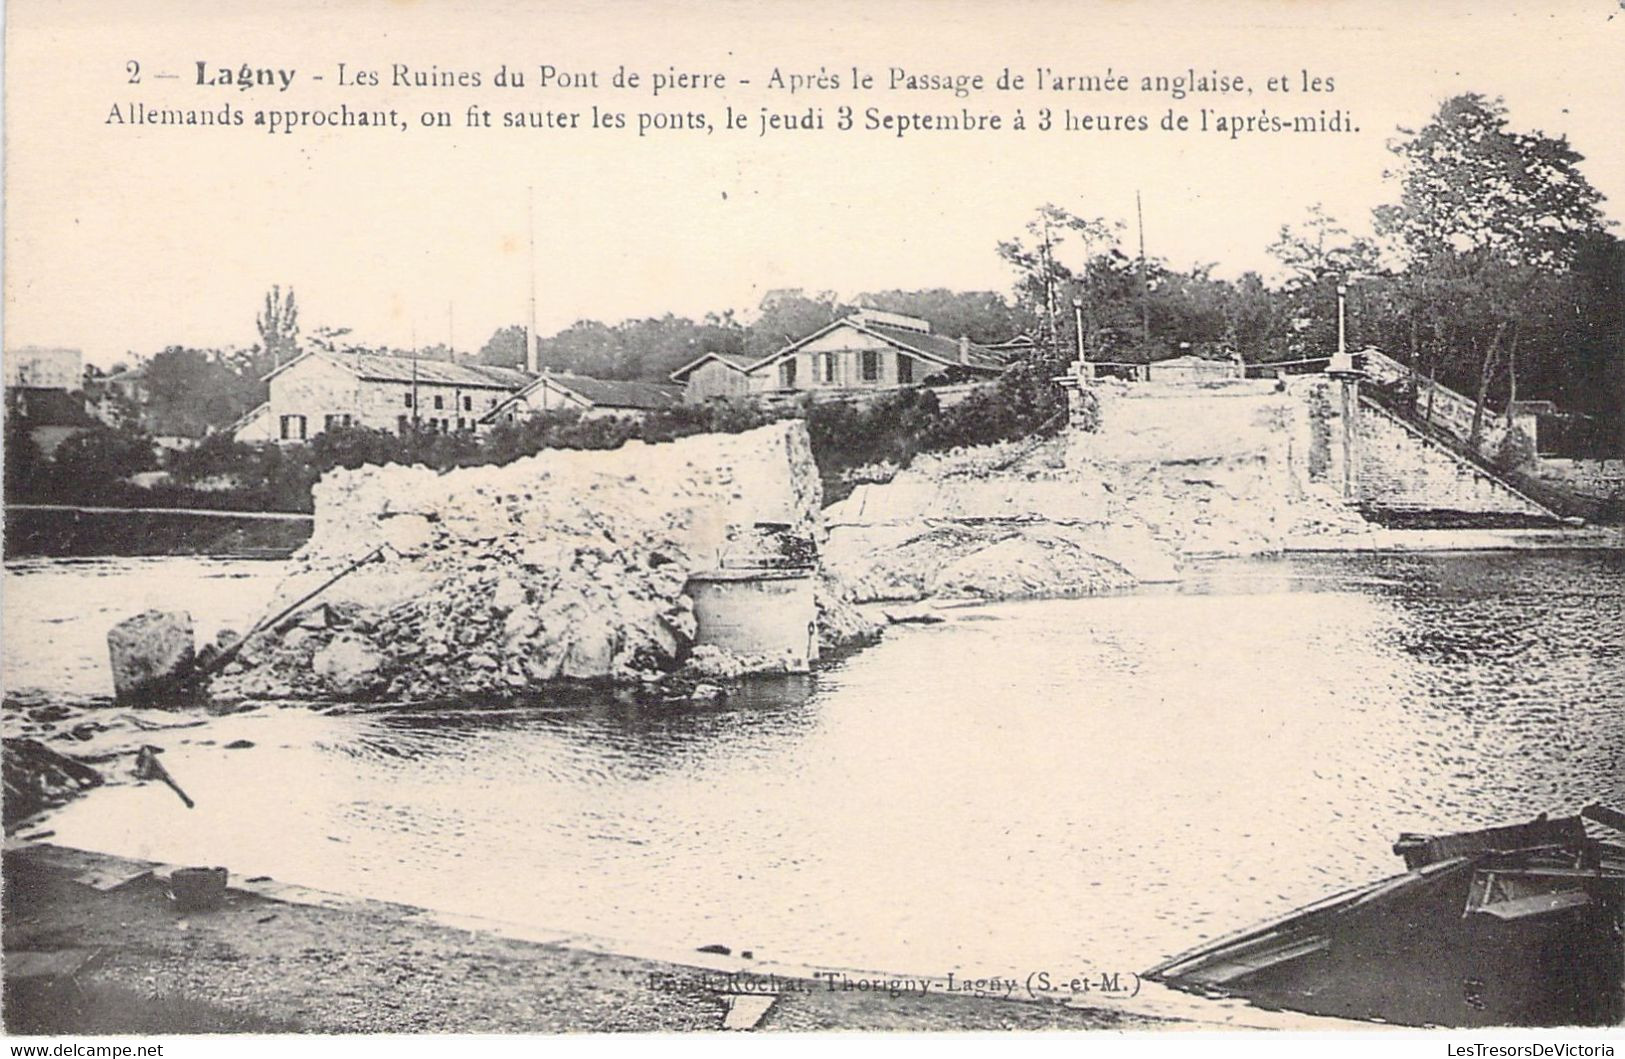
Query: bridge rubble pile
[
  {"x": 569, "y": 565},
  {"x": 1169, "y": 475}
]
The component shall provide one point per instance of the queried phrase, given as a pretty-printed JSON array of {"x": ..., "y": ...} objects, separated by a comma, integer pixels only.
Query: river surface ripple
[{"x": 1060, "y": 785}]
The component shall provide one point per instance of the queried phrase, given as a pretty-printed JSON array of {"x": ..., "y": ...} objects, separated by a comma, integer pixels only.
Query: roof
[
  {"x": 619, "y": 393},
  {"x": 261, "y": 409},
  {"x": 932, "y": 347},
  {"x": 46, "y": 406},
  {"x": 736, "y": 361},
  {"x": 375, "y": 367},
  {"x": 602, "y": 393}
]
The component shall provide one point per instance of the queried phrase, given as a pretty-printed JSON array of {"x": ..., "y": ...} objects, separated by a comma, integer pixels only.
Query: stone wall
[
  {"x": 1594, "y": 479},
  {"x": 1402, "y": 470},
  {"x": 1449, "y": 409}
]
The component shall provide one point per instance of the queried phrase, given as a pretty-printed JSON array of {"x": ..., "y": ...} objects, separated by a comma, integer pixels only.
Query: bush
[
  {"x": 90, "y": 465},
  {"x": 27, "y": 469},
  {"x": 216, "y": 456},
  {"x": 891, "y": 429},
  {"x": 1516, "y": 450}
]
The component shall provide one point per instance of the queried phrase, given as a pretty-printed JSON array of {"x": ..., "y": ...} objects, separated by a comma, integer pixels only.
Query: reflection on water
[
  {"x": 58, "y": 611},
  {"x": 1091, "y": 783}
]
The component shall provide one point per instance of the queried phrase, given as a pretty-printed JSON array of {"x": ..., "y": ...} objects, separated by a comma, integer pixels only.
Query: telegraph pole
[
  {"x": 1342, "y": 340},
  {"x": 533, "y": 360},
  {"x": 1049, "y": 286},
  {"x": 1145, "y": 287}
]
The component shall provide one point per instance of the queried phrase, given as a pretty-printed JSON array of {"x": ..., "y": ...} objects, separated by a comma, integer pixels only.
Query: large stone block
[
  {"x": 151, "y": 654},
  {"x": 349, "y": 664}
]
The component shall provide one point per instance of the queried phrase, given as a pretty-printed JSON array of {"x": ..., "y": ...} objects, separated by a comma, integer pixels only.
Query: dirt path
[{"x": 122, "y": 960}]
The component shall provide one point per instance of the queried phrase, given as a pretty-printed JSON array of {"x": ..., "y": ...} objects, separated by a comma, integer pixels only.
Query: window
[
  {"x": 330, "y": 422},
  {"x": 905, "y": 369},
  {"x": 439, "y": 401},
  {"x": 462, "y": 424},
  {"x": 409, "y": 398},
  {"x": 829, "y": 367},
  {"x": 871, "y": 365},
  {"x": 787, "y": 374},
  {"x": 402, "y": 424},
  {"x": 468, "y": 404},
  {"x": 293, "y": 428}
]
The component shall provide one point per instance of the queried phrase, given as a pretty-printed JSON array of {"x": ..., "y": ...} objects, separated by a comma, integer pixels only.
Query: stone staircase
[{"x": 1409, "y": 464}]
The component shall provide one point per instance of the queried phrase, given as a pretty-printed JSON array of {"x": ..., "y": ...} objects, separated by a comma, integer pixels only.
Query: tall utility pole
[
  {"x": 1049, "y": 286},
  {"x": 414, "y": 385},
  {"x": 1342, "y": 339},
  {"x": 1145, "y": 287},
  {"x": 530, "y": 321},
  {"x": 532, "y": 357}
]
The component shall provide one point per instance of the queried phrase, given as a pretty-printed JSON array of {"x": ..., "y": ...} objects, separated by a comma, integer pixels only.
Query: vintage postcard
[{"x": 901, "y": 516}]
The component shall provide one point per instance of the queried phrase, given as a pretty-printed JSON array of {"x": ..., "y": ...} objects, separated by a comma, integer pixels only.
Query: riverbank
[
  {"x": 65, "y": 531},
  {"x": 93, "y": 945},
  {"x": 1380, "y": 541}
]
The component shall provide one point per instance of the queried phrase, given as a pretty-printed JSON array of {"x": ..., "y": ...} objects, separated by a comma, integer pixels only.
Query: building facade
[
  {"x": 714, "y": 375},
  {"x": 45, "y": 368},
  {"x": 868, "y": 350},
  {"x": 317, "y": 392}
]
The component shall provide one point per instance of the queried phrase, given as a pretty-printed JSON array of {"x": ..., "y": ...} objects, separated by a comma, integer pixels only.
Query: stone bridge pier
[{"x": 1315, "y": 432}]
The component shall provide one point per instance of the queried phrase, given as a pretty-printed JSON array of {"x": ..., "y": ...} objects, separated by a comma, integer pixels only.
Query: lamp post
[
  {"x": 1077, "y": 320},
  {"x": 1347, "y": 375}
]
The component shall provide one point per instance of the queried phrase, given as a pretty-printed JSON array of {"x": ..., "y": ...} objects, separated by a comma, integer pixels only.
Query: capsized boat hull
[{"x": 1476, "y": 934}]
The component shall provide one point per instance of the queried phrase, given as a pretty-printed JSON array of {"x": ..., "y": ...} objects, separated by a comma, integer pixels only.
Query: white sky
[{"x": 131, "y": 239}]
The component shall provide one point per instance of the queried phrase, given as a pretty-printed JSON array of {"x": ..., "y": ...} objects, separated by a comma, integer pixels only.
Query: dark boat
[{"x": 1507, "y": 926}]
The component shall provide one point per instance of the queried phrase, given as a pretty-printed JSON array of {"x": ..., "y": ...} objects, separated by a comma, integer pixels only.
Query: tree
[
  {"x": 1319, "y": 254},
  {"x": 278, "y": 325},
  {"x": 786, "y": 315},
  {"x": 1040, "y": 270},
  {"x": 333, "y": 340},
  {"x": 1486, "y": 207},
  {"x": 25, "y": 466},
  {"x": 981, "y": 316},
  {"x": 1590, "y": 346},
  {"x": 1319, "y": 247},
  {"x": 192, "y": 391},
  {"x": 87, "y": 464},
  {"x": 504, "y": 349}
]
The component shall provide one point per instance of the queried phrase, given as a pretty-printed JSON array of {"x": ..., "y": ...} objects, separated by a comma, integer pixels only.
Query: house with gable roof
[
  {"x": 563, "y": 391},
  {"x": 867, "y": 350},
  {"x": 320, "y": 390}
]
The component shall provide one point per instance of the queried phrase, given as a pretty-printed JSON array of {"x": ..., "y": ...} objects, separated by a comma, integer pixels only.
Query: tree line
[{"x": 1492, "y": 271}]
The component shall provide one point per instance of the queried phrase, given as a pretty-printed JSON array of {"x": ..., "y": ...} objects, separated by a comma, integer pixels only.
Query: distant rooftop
[
  {"x": 377, "y": 367},
  {"x": 619, "y": 393},
  {"x": 885, "y": 319}
]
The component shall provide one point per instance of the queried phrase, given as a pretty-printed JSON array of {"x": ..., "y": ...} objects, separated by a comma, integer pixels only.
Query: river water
[{"x": 1057, "y": 785}]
